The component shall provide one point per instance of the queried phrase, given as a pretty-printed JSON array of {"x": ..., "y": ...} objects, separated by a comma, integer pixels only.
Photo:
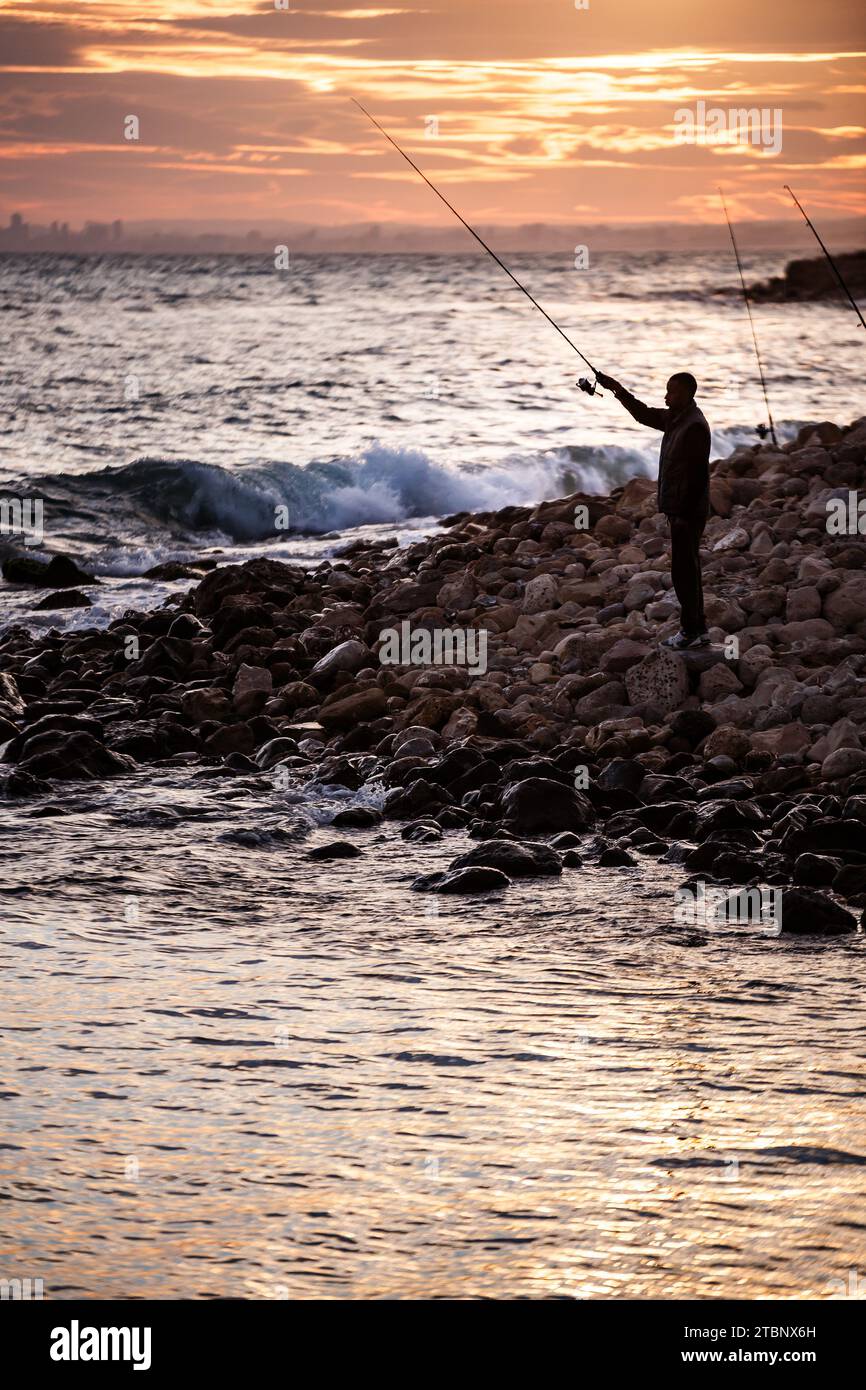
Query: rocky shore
[
  {"x": 577, "y": 739},
  {"x": 812, "y": 279}
]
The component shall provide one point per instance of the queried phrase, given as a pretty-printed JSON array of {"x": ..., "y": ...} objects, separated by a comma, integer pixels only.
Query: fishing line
[
  {"x": 751, "y": 322},
  {"x": 833, "y": 266},
  {"x": 584, "y": 385}
]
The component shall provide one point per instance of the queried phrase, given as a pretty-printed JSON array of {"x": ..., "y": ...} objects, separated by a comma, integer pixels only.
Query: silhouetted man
[{"x": 683, "y": 491}]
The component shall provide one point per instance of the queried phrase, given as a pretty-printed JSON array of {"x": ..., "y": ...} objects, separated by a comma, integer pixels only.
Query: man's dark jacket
[{"x": 684, "y": 472}]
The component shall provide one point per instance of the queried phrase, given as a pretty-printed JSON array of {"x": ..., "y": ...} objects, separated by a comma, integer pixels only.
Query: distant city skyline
[{"x": 787, "y": 236}]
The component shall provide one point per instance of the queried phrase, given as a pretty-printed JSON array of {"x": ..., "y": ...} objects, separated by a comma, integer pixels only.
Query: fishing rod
[
  {"x": 589, "y": 388},
  {"x": 762, "y": 429},
  {"x": 833, "y": 266}
]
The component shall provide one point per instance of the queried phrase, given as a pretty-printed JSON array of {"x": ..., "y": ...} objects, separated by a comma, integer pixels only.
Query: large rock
[
  {"x": 805, "y": 912},
  {"x": 206, "y": 703},
  {"x": 512, "y": 857},
  {"x": 845, "y": 607},
  {"x": 541, "y": 594},
  {"x": 348, "y": 656},
  {"x": 73, "y": 756},
  {"x": 357, "y": 708},
  {"x": 477, "y": 879},
  {"x": 845, "y": 762},
  {"x": 61, "y": 572},
  {"x": 538, "y": 804},
  {"x": 784, "y": 738},
  {"x": 253, "y": 685},
  {"x": 661, "y": 679}
]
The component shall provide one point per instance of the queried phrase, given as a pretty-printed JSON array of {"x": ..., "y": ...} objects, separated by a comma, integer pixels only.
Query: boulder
[
  {"x": 513, "y": 858},
  {"x": 844, "y": 762},
  {"x": 661, "y": 680},
  {"x": 539, "y": 804},
  {"x": 357, "y": 708},
  {"x": 541, "y": 594},
  {"x": 336, "y": 849},
  {"x": 64, "y": 598},
  {"x": 806, "y": 912},
  {"x": 845, "y": 607},
  {"x": 478, "y": 879},
  {"x": 349, "y": 656},
  {"x": 252, "y": 686},
  {"x": 206, "y": 703},
  {"x": 61, "y": 572}
]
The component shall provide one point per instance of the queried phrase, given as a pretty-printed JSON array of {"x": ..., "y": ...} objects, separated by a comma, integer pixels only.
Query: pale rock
[
  {"x": 540, "y": 594},
  {"x": 661, "y": 679},
  {"x": 735, "y": 539},
  {"x": 349, "y": 656},
  {"x": 540, "y": 672},
  {"x": 845, "y": 762},
  {"x": 783, "y": 739},
  {"x": 462, "y": 724},
  {"x": 762, "y": 544},
  {"x": 252, "y": 686}
]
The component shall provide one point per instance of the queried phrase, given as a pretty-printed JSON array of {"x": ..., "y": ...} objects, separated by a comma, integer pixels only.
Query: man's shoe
[{"x": 681, "y": 641}]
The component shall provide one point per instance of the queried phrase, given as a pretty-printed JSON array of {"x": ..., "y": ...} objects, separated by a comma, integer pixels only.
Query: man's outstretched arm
[{"x": 655, "y": 417}]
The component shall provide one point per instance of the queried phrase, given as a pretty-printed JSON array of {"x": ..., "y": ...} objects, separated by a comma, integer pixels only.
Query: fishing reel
[
  {"x": 762, "y": 431},
  {"x": 590, "y": 387}
]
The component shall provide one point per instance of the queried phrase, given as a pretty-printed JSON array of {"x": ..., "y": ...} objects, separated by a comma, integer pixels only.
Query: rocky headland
[
  {"x": 577, "y": 738},
  {"x": 812, "y": 279}
]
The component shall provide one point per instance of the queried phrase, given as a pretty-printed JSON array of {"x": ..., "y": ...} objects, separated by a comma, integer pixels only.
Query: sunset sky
[{"x": 546, "y": 112}]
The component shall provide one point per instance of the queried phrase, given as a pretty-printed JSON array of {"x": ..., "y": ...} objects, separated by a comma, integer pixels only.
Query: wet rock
[
  {"x": 232, "y": 738},
  {"x": 513, "y": 858},
  {"x": 565, "y": 840},
  {"x": 61, "y": 572},
  {"x": 357, "y": 817},
  {"x": 275, "y": 751},
  {"x": 478, "y": 879},
  {"x": 815, "y": 870},
  {"x": 540, "y": 804},
  {"x": 622, "y": 773},
  {"x": 64, "y": 598},
  {"x": 406, "y": 803},
  {"x": 806, "y": 912},
  {"x": 615, "y": 858},
  {"x": 824, "y": 837},
  {"x": 421, "y": 833},
  {"x": 850, "y": 881},
  {"x": 66, "y": 756},
  {"x": 337, "y": 849}
]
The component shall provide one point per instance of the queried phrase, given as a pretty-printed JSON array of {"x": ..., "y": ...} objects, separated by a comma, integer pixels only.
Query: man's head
[{"x": 680, "y": 391}]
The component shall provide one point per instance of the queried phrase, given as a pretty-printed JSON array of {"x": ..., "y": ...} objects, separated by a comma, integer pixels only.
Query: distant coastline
[{"x": 118, "y": 237}]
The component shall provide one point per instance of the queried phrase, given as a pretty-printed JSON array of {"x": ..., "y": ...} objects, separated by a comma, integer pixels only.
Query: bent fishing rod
[
  {"x": 762, "y": 429},
  {"x": 833, "y": 266},
  {"x": 589, "y": 388}
]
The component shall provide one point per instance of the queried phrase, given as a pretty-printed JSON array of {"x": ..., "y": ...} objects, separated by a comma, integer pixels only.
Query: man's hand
[{"x": 608, "y": 383}]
